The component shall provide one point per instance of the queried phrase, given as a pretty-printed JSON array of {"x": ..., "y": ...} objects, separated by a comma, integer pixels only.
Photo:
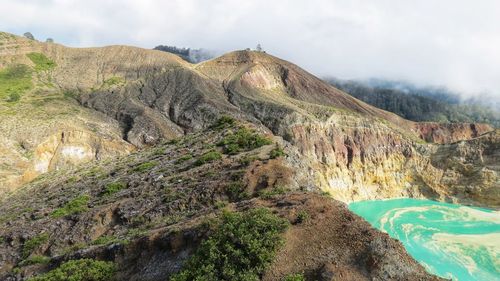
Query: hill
[
  {"x": 420, "y": 104},
  {"x": 140, "y": 161}
]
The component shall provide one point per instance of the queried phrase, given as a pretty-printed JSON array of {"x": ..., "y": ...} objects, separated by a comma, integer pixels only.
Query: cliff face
[
  {"x": 449, "y": 133},
  {"x": 358, "y": 160}
]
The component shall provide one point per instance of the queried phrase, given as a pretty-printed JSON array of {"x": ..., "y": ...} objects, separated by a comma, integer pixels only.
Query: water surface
[{"x": 449, "y": 240}]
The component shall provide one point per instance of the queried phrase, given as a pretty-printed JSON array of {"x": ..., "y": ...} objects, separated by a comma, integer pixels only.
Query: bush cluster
[
  {"x": 80, "y": 270},
  {"x": 75, "y": 206},
  {"x": 208, "y": 157},
  {"x": 242, "y": 140},
  {"x": 113, "y": 187},
  {"x": 31, "y": 244},
  {"x": 240, "y": 248}
]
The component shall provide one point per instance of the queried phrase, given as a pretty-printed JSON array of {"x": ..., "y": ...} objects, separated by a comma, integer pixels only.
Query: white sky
[{"x": 455, "y": 43}]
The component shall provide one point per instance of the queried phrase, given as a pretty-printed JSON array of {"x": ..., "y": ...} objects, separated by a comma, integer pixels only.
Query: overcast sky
[{"x": 455, "y": 43}]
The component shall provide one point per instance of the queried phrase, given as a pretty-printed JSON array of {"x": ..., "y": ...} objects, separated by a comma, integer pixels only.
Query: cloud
[{"x": 453, "y": 43}]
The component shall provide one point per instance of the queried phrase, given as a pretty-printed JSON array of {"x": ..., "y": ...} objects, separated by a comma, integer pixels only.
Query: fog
[{"x": 451, "y": 43}]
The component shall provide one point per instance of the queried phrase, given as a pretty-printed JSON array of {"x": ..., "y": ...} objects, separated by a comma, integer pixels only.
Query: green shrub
[
  {"x": 236, "y": 191},
  {"x": 295, "y": 277},
  {"x": 106, "y": 240},
  {"x": 30, "y": 245},
  {"x": 184, "y": 158},
  {"x": 208, "y": 157},
  {"x": 276, "y": 152},
  {"x": 246, "y": 160},
  {"x": 302, "y": 216},
  {"x": 41, "y": 61},
  {"x": 240, "y": 248},
  {"x": 113, "y": 187},
  {"x": 35, "y": 260},
  {"x": 269, "y": 193},
  {"x": 224, "y": 122},
  {"x": 80, "y": 270},
  {"x": 242, "y": 140},
  {"x": 75, "y": 206},
  {"x": 114, "y": 81},
  {"x": 145, "y": 166}
]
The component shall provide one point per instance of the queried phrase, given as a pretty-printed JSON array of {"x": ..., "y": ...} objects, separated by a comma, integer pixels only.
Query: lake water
[{"x": 449, "y": 240}]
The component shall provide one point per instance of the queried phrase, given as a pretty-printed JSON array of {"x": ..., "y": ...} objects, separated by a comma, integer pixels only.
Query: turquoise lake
[{"x": 449, "y": 240}]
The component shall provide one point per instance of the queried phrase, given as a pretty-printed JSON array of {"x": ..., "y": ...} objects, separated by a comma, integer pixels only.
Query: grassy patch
[
  {"x": 33, "y": 243},
  {"x": 276, "y": 152},
  {"x": 224, "y": 122},
  {"x": 208, "y": 157},
  {"x": 295, "y": 277},
  {"x": 114, "y": 81},
  {"x": 240, "y": 249},
  {"x": 302, "y": 216},
  {"x": 146, "y": 166},
  {"x": 107, "y": 240},
  {"x": 14, "y": 81},
  {"x": 42, "y": 63},
  {"x": 113, "y": 187},
  {"x": 80, "y": 270},
  {"x": 236, "y": 191},
  {"x": 269, "y": 193},
  {"x": 35, "y": 260},
  {"x": 75, "y": 206},
  {"x": 184, "y": 158},
  {"x": 242, "y": 140}
]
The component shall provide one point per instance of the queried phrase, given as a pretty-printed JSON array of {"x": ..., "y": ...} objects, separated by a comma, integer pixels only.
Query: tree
[
  {"x": 29, "y": 35},
  {"x": 258, "y": 48},
  {"x": 49, "y": 40}
]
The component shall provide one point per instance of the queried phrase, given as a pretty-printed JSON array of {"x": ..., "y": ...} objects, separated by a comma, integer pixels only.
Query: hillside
[
  {"x": 148, "y": 211},
  {"x": 141, "y": 159},
  {"x": 419, "y": 104}
]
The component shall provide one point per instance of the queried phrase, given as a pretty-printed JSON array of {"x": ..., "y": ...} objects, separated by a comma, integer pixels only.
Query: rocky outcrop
[
  {"x": 450, "y": 132},
  {"x": 70, "y": 148}
]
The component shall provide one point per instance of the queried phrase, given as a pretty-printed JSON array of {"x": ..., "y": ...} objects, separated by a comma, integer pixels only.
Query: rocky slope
[
  {"x": 148, "y": 212},
  {"x": 341, "y": 145},
  {"x": 138, "y": 161}
]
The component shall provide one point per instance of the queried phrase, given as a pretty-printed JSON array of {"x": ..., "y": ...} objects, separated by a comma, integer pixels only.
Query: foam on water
[{"x": 449, "y": 240}]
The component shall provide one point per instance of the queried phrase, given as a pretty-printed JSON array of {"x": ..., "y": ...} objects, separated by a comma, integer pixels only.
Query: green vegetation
[
  {"x": 240, "y": 249},
  {"x": 302, "y": 216},
  {"x": 146, "y": 166},
  {"x": 421, "y": 104},
  {"x": 35, "y": 260},
  {"x": 276, "y": 152},
  {"x": 113, "y": 187},
  {"x": 295, "y": 277},
  {"x": 13, "y": 97},
  {"x": 247, "y": 159},
  {"x": 224, "y": 122},
  {"x": 107, "y": 240},
  {"x": 269, "y": 193},
  {"x": 75, "y": 206},
  {"x": 42, "y": 63},
  {"x": 242, "y": 140},
  {"x": 114, "y": 81},
  {"x": 208, "y": 157},
  {"x": 236, "y": 191},
  {"x": 184, "y": 158},
  {"x": 80, "y": 270},
  {"x": 33, "y": 243},
  {"x": 14, "y": 81}
]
